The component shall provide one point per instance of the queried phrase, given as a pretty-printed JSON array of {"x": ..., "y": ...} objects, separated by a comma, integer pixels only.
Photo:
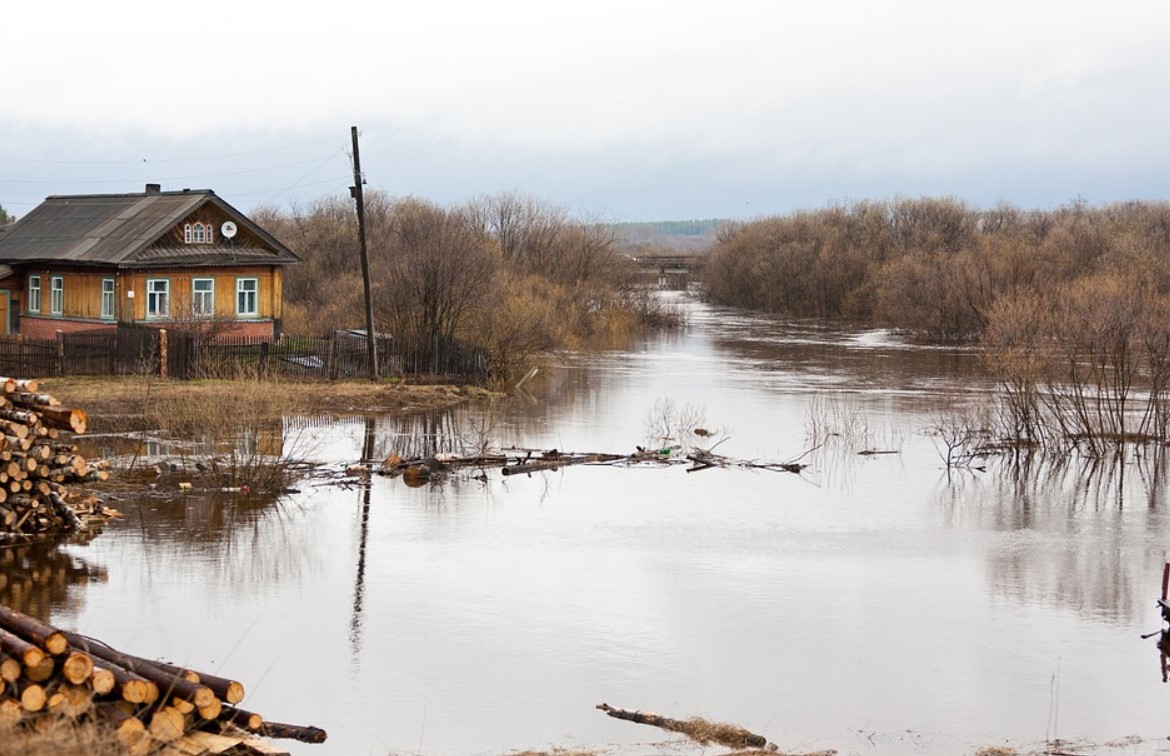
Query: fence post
[
  {"x": 61, "y": 353},
  {"x": 162, "y": 353},
  {"x": 264, "y": 345},
  {"x": 334, "y": 347}
]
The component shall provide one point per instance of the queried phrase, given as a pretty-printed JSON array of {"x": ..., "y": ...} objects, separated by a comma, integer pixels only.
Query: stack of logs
[
  {"x": 51, "y": 675},
  {"x": 36, "y": 463}
]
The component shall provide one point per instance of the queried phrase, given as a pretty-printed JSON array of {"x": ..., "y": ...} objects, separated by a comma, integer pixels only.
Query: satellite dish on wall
[{"x": 228, "y": 229}]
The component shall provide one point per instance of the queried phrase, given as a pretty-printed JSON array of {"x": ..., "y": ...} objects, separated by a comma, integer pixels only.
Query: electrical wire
[
  {"x": 176, "y": 178},
  {"x": 168, "y": 160}
]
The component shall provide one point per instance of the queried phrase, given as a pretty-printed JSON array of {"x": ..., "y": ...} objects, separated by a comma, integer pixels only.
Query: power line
[
  {"x": 167, "y": 160},
  {"x": 175, "y": 178}
]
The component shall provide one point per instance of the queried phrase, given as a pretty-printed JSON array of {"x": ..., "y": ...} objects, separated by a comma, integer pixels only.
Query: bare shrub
[
  {"x": 1087, "y": 363},
  {"x": 669, "y": 424},
  {"x": 958, "y": 431}
]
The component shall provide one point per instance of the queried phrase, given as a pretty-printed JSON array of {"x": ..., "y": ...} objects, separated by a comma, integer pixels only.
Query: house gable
[
  {"x": 132, "y": 230},
  {"x": 180, "y": 245}
]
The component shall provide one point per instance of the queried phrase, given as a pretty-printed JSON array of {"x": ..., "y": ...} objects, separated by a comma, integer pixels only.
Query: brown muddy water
[{"x": 873, "y": 604}]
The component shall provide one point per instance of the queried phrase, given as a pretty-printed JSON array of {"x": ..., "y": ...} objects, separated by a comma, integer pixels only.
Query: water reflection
[
  {"x": 41, "y": 578},
  {"x": 240, "y": 539},
  {"x": 369, "y": 454},
  {"x": 1076, "y": 542}
]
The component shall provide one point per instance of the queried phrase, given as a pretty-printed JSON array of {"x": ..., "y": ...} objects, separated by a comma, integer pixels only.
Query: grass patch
[{"x": 133, "y": 403}]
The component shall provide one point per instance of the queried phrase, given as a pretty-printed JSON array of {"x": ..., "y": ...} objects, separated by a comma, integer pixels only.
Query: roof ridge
[{"x": 170, "y": 193}]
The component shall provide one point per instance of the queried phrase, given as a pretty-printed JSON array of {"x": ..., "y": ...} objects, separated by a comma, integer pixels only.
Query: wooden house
[{"x": 171, "y": 259}]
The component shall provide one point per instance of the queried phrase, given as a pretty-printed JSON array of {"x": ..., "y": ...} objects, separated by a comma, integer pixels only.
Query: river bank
[{"x": 120, "y": 403}]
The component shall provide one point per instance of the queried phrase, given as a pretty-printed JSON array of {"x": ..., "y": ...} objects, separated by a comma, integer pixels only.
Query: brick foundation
[
  {"x": 46, "y": 328},
  {"x": 250, "y": 328}
]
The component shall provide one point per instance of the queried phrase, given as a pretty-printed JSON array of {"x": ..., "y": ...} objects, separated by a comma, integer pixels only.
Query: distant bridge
[{"x": 672, "y": 270}]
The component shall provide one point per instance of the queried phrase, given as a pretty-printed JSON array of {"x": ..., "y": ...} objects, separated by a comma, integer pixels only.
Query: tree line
[
  {"x": 1071, "y": 305},
  {"x": 933, "y": 267},
  {"x": 510, "y": 274}
]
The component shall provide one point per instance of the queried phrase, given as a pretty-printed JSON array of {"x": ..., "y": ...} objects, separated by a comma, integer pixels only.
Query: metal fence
[{"x": 140, "y": 350}]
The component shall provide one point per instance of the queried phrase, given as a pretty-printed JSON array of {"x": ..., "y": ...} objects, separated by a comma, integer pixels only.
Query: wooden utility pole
[{"x": 356, "y": 190}]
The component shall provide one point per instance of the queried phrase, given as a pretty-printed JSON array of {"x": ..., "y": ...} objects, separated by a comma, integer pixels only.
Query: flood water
[{"x": 872, "y": 604}]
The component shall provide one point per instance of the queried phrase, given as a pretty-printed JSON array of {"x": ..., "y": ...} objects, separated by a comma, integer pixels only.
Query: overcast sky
[{"x": 630, "y": 110}]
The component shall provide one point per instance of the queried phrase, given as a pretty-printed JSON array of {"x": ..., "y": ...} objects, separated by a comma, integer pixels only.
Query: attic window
[{"x": 198, "y": 233}]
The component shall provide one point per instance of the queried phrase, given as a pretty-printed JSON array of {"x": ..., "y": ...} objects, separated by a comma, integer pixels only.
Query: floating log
[
  {"x": 700, "y": 730},
  {"x": 554, "y": 460}
]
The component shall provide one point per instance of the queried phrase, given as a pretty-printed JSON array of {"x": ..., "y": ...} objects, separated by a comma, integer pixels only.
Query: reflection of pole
[
  {"x": 368, "y": 441},
  {"x": 355, "y": 622}
]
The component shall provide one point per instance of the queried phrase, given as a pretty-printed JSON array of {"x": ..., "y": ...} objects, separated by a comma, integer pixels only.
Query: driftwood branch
[{"x": 697, "y": 729}]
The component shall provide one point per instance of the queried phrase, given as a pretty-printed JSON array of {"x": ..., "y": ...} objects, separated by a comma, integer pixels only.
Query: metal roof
[{"x": 118, "y": 229}]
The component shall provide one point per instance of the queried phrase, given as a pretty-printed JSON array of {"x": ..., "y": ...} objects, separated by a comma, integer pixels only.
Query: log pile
[
  {"x": 48, "y": 675},
  {"x": 37, "y": 464}
]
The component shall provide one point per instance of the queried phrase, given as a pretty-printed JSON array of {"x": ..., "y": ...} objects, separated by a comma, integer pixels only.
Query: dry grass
[
  {"x": 62, "y": 737},
  {"x": 139, "y": 403},
  {"x": 705, "y": 732}
]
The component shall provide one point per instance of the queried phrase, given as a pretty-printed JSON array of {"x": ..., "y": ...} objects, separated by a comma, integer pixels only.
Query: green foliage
[{"x": 5, "y": 217}]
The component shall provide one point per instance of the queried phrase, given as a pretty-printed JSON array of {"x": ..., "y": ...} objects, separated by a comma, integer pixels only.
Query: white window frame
[
  {"x": 107, "y": 305},
  {"x": 197, "y": 236},
  {"x": 156, "y": 288},
  {"x": 247, "y": 299},
  {"x": 34, "y": 294},
  {"x": 56, "y": 295},
  {"x": 203, "y": 302}
]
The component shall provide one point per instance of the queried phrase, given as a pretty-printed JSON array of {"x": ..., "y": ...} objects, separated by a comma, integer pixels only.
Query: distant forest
[{"x": 691, "y": 235}]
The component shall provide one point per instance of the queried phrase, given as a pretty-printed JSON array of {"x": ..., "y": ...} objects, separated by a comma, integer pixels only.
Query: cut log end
[{"x": 167, "y": 724}]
